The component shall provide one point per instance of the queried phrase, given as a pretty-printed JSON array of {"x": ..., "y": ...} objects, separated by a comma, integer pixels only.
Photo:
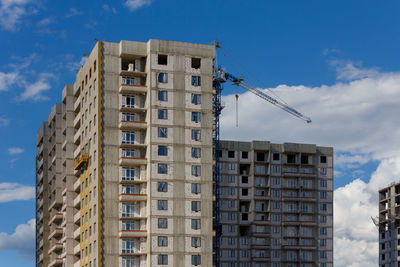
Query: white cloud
[
  {"x": 12, "y": 12},
  {"x": 34, "y": 91},
  {"x": 46, "y": 21},
  {"x": 351, "y": 161},
  {"x": 22, "y": 240},
  {"x": 13, "y": 191},
  {"x": 136, "y": 4},
  {"x": 107, "y": 8},
  {"x": 348, "y": 70},
  {"x": 15, "y": 150},
  {"x": 7, "y": 79},
  {"x": 73, "y": 12}
]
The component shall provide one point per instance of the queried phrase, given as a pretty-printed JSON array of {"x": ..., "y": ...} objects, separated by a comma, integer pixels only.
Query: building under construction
[
  {"x": 131, "y": 171},
  {"x": 388, "y": 224}
]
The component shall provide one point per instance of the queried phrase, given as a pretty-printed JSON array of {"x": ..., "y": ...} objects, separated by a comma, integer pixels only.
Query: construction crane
[{"x": 220, "y": 76}]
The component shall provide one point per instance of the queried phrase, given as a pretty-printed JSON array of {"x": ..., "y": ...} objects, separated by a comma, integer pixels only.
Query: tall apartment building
[
  {"x": 124, "y": 163},
  {"x": 389, "y": 226},
  {"x": 276, "y": 208}
]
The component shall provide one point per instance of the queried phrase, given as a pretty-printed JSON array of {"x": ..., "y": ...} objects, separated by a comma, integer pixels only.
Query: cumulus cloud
[
  {"x": 46, "y": 21},
  {"x": 7, "y": 79},
  {"x": 15, "y": 150},
  {"x": 34, "y": 91},
  {"x": 14, "y": 191},
  {"x": 12, "y": 12},
  {"x": 357, "y": 115},
  {"x": 73, "y": 12},
  {"x": 22, "y": 240},
  {"x": 136, "y": 4},
  {"x": 107, "y": 8}
]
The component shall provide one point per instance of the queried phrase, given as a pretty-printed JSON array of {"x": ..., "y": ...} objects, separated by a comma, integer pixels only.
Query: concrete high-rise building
[
  {"x": 124, "y": 163},
  {"x": 124, "y": 172},
  {"x": 277, "y": 205},
  {"x": 389, "y": 225}
]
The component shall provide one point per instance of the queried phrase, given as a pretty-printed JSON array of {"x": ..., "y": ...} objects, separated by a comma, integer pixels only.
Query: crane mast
[{"x": 220, "y": 76}]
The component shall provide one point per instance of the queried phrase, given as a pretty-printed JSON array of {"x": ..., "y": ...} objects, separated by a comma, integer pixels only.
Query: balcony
[
  {"x": 40, "y": 216},
  {"x": 40, "y": 149},
  {"x": 132, "y": 197},
  {"x": 81, "y": 161},
  {"x": 131, "y": 125},
  {"x": 77, "y": 217},
  {"x": 77, "y": 151},
  {"x": 41, "y": 230},
  {"x": 40, "y": 177},
  {"x": 55, "y": 247},
  {"x": 131, "y": 72},
  {"x": 77, "y": 138},
  {"x": 64, "y": 144},
  {"x": 40, "y": 189},
  {"x": 77, "y": 250},
  {"x": 56, "y": 262},
  {"x": 132, "y": 233},
  {"x": 77, "y": 233},
  {"x": 77, "y": 263},
  {"x": 55, "y": 232},
  {"x": 128, "y": 88},
  {"x": 40, "y": 163},
  {"x": 55, "y": 217},
  {"x": 132, "y": 161},
  {"x": 77, "y": 105},
  {"x": 40, "y": 203},
  {"x": 77, "y": 202},
  {"x": 77, "y": 122},
  {"x": 77, "y": 186},
  {"x": 41, "y": 243}
]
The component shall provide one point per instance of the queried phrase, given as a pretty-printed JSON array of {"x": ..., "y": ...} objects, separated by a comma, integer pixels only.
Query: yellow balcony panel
[
  {"x": 132, "y": 161},
  {"x": 126, "y": 89},
  {"x": 128, "y": 125},
  {"x": 132, "y": 233},
  {"x": 132, "y": 197}
]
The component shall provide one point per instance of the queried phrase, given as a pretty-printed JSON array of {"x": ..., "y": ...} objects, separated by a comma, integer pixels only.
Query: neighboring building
[
  {"x": 277, "y": 205},
  {"x": 124, "y": 163},
  {"x": 389, "y": 223}
]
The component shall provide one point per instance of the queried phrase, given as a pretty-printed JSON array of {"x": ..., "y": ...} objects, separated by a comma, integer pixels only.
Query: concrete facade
[
  {"x": 129, "y": 160},
  {"x": 277, "y": 205},
  {"x": 389, "y": 226}
]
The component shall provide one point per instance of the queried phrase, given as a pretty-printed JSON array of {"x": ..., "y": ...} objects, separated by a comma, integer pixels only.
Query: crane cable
[{"x": 223, "y": 50}]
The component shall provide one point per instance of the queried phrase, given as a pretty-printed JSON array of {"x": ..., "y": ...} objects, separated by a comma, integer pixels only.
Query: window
[
  {"x": 196, "y": 152},
  {"x": 162, "y": 223},
  {"x": 162, "y": 204},
  {"x": 196, "y": 188},
  {"x": 196, "y": 63},
  {"x": 128, "y": 81},
  {"x": 162, "y": 168},
  {"x": 163, "y": 114},
  {"x": 127, "y": 153},
  {"x": 128, "y": 137},
  {"x": 322, "y": 194},
  {"x": 196, "y": 206},
  {"x": 291, "y": 158},
  {"x": 196, "y": 224},
  {"x": 196, "y": 99},
  {"x": 128, "y": 189},
  {"x": 196, "y": 116},
  {"x": 231, "y": 154},
  {"x": 322, "y": 254},
  {"x": 128, "y": 209},
  {"x": 162, "y": 95},
  {"x": 196, "y": 135},
  {"x": 231, "y": 179},
  {"x": 162, "y": 132},
  {"x": 232, "y": 166},
  {"x": 275, "y": 156},
  {"x": 275, "y": 168},
  {"x": 162, "y": 241},
  {"x": 162, "y": 187},
  {"x": 322, "y": 183},
  {"x": 322, "y": 159},
  {"x": 245, "y": 155},
  {"x": 196, "y": 242},
  {"x": 94, "y": 66},
  {"x": 196, "y": 170},
  {"x": 322, "y": 242},
  {"x": 322, "y": 171},
  {"x": 128, "y": 225},
  {"x": 196, "y": 80},
  {"x": 162, "y": 151},
  {"x": 126, "y": 262},
  {"x": 162, "y": 60},
  {"x": 276, "y": 180},
  {"x": 128, "y": 117},
  {"x": 163, "y": 77},
  {"x": 128, "y": 101},
  {"x": 196, "y": 260},
  {"x": 127, "y": 174},
  {"x": 162, "y": 259},
  {"x": 323, "y": 207}
]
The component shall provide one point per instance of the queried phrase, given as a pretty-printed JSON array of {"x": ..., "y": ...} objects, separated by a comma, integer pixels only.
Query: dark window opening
[
  {"x": 245, "y": 155},
  {"x": 304, "y": 159},
  {"x": 245, "y": 192},
  {"x": 291, "y": 158},
  {"x": 275, "y": 156},
  {"x": 245, "y": 179},
  {"x": 196, "y": 62},
  {"x": 162, "y": 59},
  {"x": 323, "y": 159},
  {"x": 244, "y": 169},
  {"x": 231, "y": 154},
  {"x": 245, "y": 216},
  {"x": 219, "y": 153},
  {"x": 260, "y": 156},
  {"x": 244, "y": 230}
]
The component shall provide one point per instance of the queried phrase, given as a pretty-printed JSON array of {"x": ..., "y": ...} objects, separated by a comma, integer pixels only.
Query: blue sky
[{"x": 336, "y": 61}]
